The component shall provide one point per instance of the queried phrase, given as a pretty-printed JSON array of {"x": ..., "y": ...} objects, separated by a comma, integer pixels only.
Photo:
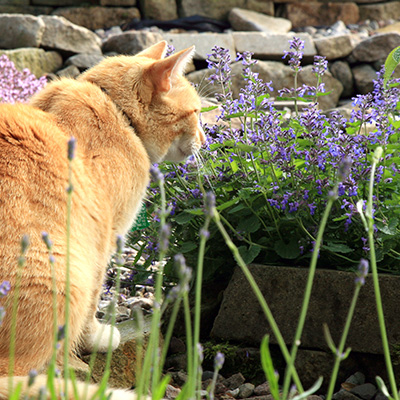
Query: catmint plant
[
  {"x": 271, "y": 175},
  {"x": 15, "y": 85}
]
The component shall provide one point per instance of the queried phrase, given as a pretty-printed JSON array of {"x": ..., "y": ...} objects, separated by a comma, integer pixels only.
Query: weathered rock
[
  {"x": 342, "y": 72},
  {"x": 72, "y": 72},
  {"x": 20, "y": 31},
  {"x": 392, "y": 28},
  {"x": 334, "y": 47},
  {"x": 204, "y": 42},
  {"x": 172, "y": 392},
  {"x": 380, "y": 11},
  {"x": 38, "y": 61},
  {"x": 234, "y": 381},
  {"x": 245, "y": 20},
  {"x": 24, "y": 9},
  {"x": 270, "y": 47},
  {"x": 162, "y": 10},
  {"x": 220, "y": 9},
  {"x": 376, "y": 47},
  {"x": 131, "y": 42},
  {"x": 262, "y": 390},
  {"x": 60, "y": 34},
  {"x": 84, "y": 61},
  {"x": 315, "y": 13},
  {"x": 364, "y": 75},
  {"x": 97, "y": 17},
  {"x": 55, "y": 3},
  {"x": 245, "y": 390},
  {"x": 118, "y": 3},
  {"x": 344, "y": 395},
  {"x": 357, "y": 378},
  {"x": 365, "y": 391},
  {"x": 240, "y": 317}
]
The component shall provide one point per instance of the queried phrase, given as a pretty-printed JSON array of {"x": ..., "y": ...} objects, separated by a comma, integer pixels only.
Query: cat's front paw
[{"x": 100, "y": 340}]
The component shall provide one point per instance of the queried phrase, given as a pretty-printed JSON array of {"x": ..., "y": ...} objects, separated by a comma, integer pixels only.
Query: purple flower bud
[
  {"x": 219, "y": 360},
  {"x": 24, "y": 244},
  {"x": 46, "y": 240},
  {"x": 71, "y": 148},
  {"x": 362, "y": 272},
  {"x": 158, "y": 177},
  {"x": 163, "y": 241},
  {"x": 120, "y": 244},
  {"x": 209, "y": 204},
  {"x": 32, "y": 376},
  {"x": 200, "y": 352},
  {"x": 4, "y": 288}
]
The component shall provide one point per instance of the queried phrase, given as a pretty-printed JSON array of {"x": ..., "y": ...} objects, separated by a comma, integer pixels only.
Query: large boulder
[
  {"x": 338, "y": 46},
  {"x": 267, "y": 46},
  {"x": 131, "y": 42},
  {"x": 20, "y": 31},
  {"x": 245, "y": 20},
  {"x": 38, "y": 61},
  {"x": 220, "y": 9},
  {"x": 241, "y": 319},
  {"x": 204, "y": 42},
  {"x": 376, "y": 47},
  {"x": 98, "y": 17},
  {"x": 61, "y": 34},
  {"x": 322, "y": 13}
]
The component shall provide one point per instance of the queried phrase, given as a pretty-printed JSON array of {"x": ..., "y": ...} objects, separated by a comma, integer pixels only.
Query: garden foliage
[{"x": 271, "y": 177}]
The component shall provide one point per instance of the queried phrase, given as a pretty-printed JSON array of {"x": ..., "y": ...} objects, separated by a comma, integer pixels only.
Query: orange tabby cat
[{"x": 125, "y": 113}]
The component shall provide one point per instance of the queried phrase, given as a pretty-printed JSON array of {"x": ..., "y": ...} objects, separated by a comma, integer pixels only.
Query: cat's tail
[{"x": 39, "y": 386}]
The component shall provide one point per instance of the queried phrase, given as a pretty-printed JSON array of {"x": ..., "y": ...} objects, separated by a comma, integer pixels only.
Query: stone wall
[{"x": 115, "y": 12}]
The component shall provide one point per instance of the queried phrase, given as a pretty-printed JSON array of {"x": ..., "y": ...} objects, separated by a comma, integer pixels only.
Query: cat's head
[{"x": 162, "y": 106}]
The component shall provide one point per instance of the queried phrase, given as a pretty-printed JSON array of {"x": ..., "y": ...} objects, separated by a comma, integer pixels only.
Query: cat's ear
[
  {"x": 156, "y": 52},
  {"x": 164, "y": 71}
]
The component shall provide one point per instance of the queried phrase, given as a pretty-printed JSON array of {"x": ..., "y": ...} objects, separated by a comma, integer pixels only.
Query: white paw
[
  {"x": 100, "y": 341},
  {"x": 120, "y": 394}
]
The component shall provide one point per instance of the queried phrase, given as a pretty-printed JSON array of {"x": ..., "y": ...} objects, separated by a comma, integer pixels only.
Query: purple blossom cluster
[
  {"x": 272, "y": 176},
  {"x": 17, "y": 86}
]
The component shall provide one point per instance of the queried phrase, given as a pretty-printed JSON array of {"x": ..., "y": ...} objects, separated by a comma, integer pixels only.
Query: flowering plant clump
[
  {"x": 17, "y": 86},
  {"x": 272, "y": 176}
]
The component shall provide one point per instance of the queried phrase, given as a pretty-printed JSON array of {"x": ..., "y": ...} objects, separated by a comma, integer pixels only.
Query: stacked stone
[{"x": 48, "y": 44}]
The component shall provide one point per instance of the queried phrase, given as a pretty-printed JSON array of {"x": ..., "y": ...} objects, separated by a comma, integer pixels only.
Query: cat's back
[{"x": 33, "y": 169}]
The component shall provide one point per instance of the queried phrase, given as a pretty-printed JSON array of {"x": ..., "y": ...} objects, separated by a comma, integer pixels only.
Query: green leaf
[
  {"x": 268, "y": 367},
  {"x": 159, "y": 393},
  {"x": 210, "y": 108},
  {"x": 249, "y": 254},
  {"x": 391, "y": 63},
  {"x": 249, "y": 225},
  {"x": 188, "y": 246},
  {"x": 388, "y": 229},
  {"x": 310, "y": 391},
  {"x": 382, "y": 387},
  {"x": 289, "y": 250},
  {"x": 183, "y": 218},
  {"x": 227, "y": 204},
  {"x": 338, "y": 247}
]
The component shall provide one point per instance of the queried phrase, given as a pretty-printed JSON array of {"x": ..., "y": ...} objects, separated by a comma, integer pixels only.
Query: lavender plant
[
  {"x": 271, "y": 177},
  {"x": 17, "y": 86}
]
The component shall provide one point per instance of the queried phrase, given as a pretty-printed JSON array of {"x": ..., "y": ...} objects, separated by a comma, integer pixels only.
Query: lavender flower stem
[
  {"x": 307, "y": 294},
  {"x": 374, "y": 269},
  {"x": 260, "y": 298}
]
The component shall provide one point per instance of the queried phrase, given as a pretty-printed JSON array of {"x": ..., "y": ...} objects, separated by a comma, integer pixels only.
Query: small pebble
[{"x": 246, "y": 390}]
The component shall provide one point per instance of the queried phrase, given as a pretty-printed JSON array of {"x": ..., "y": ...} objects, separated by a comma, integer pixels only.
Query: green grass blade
[
  {"x": 392, "y": 61},
  {"x": 268, "y": 367}
]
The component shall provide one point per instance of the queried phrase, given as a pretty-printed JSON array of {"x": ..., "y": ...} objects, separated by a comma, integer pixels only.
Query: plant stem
[
  {"x": 260, "y": 298},
  {"x": 378, "y": 298},
  {"x": 307, "y": 293},
  {"x": 340, "y": 349}
]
